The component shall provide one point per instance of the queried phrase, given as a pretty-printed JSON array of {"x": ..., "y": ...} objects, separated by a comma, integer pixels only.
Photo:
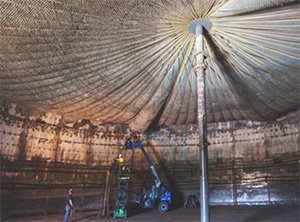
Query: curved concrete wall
[
  {"x": 42, "y": 156},
  {"x": 250, "y": 163}
]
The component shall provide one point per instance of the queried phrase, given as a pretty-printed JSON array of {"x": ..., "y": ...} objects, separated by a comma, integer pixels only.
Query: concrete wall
[
  {"x": 42, "y": 156},
  {"x": 250, "y": 163}
]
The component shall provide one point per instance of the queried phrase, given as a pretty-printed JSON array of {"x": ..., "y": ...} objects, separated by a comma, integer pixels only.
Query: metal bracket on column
[
  {"x": 200, "y": 66},
  {"x": 201, "y": 53}
]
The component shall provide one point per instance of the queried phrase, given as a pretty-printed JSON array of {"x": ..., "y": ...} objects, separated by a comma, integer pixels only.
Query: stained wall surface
[
  {"x": 42, "y": 156},
  {"x": 249, "y": 163}
]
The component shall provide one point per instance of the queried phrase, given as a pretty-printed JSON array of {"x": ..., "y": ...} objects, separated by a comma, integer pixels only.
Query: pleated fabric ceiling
[{"x": 131, "y": 61}]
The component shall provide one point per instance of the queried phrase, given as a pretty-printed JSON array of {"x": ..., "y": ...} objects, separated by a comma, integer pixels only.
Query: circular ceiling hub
[{"x": 203, "y": 22}]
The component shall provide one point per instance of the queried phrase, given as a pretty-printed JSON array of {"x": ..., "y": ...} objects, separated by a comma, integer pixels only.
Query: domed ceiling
[{"x": 132, "y": 61}]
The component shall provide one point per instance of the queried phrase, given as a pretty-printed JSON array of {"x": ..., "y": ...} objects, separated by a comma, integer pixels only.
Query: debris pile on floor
[{"x": 192, "y": 201}]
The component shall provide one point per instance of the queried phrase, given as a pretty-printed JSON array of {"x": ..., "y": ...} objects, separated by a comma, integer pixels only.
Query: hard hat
[{"x": 120, "y": 155}]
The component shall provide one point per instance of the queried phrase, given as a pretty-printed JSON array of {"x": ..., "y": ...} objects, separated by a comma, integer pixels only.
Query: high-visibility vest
[{"x": 121, "y": 160}]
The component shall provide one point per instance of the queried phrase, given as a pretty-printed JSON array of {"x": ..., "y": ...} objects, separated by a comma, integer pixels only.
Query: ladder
[{"x": 123, "y": 176}]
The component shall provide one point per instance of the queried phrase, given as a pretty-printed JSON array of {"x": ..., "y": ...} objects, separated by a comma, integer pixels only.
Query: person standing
[
  {"x": 120, "y": 159},
  {"x": 119, "y": 165},
  {"x": 69, "y": 205}
]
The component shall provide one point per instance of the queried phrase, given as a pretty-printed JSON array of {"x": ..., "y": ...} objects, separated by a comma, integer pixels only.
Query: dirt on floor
[{"x": 285, "y": 213}]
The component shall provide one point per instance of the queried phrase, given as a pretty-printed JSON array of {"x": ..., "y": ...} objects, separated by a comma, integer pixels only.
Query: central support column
[{"x": 197, "y": 27}]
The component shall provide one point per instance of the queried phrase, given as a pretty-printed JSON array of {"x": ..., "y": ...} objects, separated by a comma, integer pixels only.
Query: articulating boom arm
[{"x": 130, "y": 145}]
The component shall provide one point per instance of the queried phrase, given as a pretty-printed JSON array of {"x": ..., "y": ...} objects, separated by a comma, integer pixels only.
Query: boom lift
[{"x": 156, "y": 194}]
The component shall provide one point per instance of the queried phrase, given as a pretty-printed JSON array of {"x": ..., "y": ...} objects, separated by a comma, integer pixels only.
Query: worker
[
  {"x": 119, "y": 164},
  {"x": 119, "y": 159},
  {"x": 69, "y": 205}
]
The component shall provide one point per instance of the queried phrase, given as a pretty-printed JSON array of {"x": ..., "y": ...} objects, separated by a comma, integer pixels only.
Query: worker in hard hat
[{"x": 120, "y": 159}]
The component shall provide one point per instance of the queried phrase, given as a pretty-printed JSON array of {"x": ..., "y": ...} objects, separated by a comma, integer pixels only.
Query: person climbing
[
  {"x": 119, "y": 165},
  {"x": 120, "y": 159},
  {"x": 69, "y": 205}
]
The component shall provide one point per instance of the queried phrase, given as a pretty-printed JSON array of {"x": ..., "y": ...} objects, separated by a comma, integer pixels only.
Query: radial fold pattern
[{"x": 132, "y": 61}]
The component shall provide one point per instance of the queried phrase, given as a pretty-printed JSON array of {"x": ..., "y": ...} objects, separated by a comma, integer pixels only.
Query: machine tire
[{"x": 163, "y": 207}]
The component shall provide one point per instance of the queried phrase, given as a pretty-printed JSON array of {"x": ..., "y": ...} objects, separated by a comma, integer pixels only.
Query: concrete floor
[{"x": 218, "y": 214}]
